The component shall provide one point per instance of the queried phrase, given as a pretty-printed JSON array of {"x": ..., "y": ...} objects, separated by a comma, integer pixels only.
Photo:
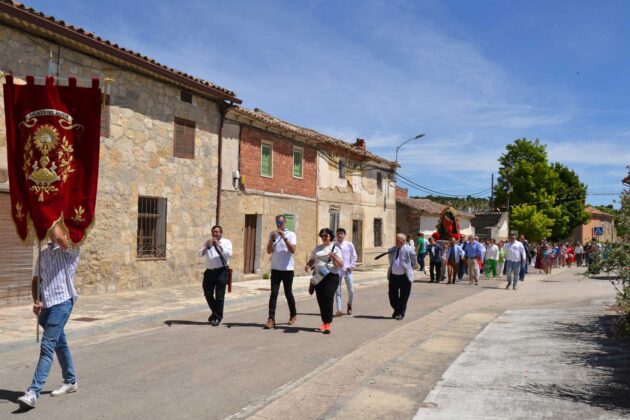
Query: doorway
[
  {"x": 250, "y": 244},
  {"x": 357, "y": 238}
]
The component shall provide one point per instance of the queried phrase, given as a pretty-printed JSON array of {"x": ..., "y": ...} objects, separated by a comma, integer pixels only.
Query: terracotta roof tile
[
  {"x": 265, "y": 118},
  {"x": 425, "y": 205}
]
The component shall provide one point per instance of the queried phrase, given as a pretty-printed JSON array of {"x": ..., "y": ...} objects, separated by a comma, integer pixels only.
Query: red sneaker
[
  {"x": 323, "y": 328},
  {"x": 327, "y": 329}
]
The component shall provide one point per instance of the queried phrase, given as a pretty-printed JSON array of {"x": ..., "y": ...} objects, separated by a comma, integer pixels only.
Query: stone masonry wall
[{"x": 136, "y": 159}]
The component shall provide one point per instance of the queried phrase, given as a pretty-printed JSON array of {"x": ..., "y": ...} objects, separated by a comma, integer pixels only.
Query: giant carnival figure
[{"x": 448, "y": 225}]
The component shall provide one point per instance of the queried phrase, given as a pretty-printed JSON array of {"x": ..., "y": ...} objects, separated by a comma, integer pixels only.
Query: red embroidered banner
[{"x": 53, "y": 140}]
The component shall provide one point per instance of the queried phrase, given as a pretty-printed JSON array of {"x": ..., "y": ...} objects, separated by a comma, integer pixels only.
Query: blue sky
[{"x": 471, "y": 75}]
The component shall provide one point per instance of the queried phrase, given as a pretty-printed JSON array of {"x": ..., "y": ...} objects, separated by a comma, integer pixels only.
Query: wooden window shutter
[{"x": 184, "y": 141}]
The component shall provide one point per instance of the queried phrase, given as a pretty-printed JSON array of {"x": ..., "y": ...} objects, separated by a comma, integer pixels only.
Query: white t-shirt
[
  {"x": 281, "y": 257},
  {"x": 322, "y": 259}
]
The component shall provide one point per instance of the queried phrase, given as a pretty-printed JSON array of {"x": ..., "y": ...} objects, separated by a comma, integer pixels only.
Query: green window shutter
[
  {"x": 290, "y": 222},
  {"x": 265, "y": 160},
  {"x": 297, "y": 163}
]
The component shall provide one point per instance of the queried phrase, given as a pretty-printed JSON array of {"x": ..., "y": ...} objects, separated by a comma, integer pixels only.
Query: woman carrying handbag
[{"x": 325, "y": 261}]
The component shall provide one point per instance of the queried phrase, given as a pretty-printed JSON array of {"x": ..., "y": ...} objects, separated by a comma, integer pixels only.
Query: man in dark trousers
[
  {"x": 435, "y": 261},
  {"x": 217, "y": 252},
  {"x": 402, "y": 261}
]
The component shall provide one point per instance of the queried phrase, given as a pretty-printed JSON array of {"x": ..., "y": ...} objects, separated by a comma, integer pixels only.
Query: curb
[{"x": 299, "y": 292}]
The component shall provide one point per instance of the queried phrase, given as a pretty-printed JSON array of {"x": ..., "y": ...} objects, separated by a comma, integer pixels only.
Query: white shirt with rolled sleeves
[
  {"x": 514, "y": 252},
  {"x": 212, "y": 258},
  {"x": 349, "y": 256},
  {"x": 281, "y": 257},
  {"x": 492, "y": 253},
  {"x": 57, "y": 274}
]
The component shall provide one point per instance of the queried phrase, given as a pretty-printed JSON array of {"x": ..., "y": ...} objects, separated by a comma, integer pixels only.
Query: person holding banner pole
[{"x": 53, "y": 301}]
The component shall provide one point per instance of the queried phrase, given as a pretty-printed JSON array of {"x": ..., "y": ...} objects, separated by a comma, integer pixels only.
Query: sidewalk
[
  {"x": 96, "y": 314},
  {"x": 533, "y": 364}
]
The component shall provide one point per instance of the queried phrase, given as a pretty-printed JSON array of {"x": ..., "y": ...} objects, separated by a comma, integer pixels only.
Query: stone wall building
[{"x": 159, "y": 158}]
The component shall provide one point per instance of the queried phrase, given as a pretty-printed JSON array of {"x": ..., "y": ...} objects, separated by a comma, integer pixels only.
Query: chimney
[{"x": 360, "y": 143}]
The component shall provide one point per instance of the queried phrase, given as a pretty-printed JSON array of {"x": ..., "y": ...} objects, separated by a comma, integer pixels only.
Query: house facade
[
  {"x": 159, "y": 160},
  {"x": 601, "y": 226},
  {"x": 356, "y": 191},
  {"x": 273, "y": 167},
  {"x": 268, "y": 170},
  {"x": 492, "y": 225}
]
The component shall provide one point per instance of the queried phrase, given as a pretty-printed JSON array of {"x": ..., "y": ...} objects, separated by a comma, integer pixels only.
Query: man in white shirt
[
  {"x": 515, "y": 257},
  {"x": 217, "y": 252},
  {"x": 349, "y": 257},
  {"x": 281, "y": 245},
  {"x": 54, "y": 270},
  {"x": 402, "y": 261},
  {"x": 492, "y": 255},
  {"x": 579, "y": 252}
]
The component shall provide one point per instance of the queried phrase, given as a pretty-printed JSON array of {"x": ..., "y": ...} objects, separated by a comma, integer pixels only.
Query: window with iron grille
[
  {"x": 378, "y": 233},
  {"x": 379, "y": 181},
  {"x": 184, "y": 141},
  {"x": 105, "y": 116},
  {"x": 151, "y": 228}
]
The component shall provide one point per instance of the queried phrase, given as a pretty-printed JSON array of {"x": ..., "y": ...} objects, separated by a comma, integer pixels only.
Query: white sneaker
[
  {"x": 64, "y": 389},
  {"x": 28, "y": 400}
]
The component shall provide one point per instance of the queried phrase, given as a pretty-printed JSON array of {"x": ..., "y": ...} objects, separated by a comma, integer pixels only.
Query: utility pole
[{"x": 492, "y": 193}]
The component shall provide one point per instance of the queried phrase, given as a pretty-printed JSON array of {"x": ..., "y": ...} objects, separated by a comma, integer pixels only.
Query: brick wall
[{"x": 282, "y": 180}]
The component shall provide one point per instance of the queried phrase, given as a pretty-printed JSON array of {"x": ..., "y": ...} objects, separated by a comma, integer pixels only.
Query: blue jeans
[
  {"x": 522, "y": 271},
  {"x": 421, "y": 257},
  {"x": 53, "y": 320},
  {"x": 349, "y": 285},
  {"x": 512, "y": 270}
]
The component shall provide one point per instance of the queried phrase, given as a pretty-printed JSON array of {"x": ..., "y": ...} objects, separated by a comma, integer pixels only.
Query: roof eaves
[
  {"x": 308, "y": 133},
  {"x": 30, "y": 20}
]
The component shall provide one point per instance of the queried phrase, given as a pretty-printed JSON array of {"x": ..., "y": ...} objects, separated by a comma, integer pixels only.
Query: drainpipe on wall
[{"x": 223, "y": 108}]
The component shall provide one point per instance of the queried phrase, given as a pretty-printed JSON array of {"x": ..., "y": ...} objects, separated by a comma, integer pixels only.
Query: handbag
[
  {"x": 322, "y": 272},
  {"x": 228, "y": 268}
]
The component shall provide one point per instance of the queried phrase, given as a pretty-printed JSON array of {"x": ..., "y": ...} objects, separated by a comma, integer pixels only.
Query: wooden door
[
  {"x": 357, "y": 238},
  {"x": 16, "y": 260},
  {"x": 250, "y": 243}
]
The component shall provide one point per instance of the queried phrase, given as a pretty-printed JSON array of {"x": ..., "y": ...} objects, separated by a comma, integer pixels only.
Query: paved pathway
[{"x": 538, "y": 364}]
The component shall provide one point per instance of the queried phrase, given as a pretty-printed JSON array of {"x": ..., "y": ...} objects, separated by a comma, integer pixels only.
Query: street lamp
[{"x": 419, "y": 136}]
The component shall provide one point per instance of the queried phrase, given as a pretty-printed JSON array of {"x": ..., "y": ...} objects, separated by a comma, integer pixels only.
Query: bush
[
  {"x": 265, "y": 276},
  {"x": 614, "y": 262}
]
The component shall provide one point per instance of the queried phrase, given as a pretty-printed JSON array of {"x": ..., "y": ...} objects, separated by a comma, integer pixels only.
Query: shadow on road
[
  {"x": 609, "y": 359},
  {"x": 285, "y": 328},
  {"x": 372, "y": 317},
  {"x": 12, "y": 396},
  {"x": 185, "y": 322}
]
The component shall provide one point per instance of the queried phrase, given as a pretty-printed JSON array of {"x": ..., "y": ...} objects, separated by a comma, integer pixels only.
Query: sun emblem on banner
[
  {"x": 54, "y": 163},
  {"x": 46, "y": 138}
]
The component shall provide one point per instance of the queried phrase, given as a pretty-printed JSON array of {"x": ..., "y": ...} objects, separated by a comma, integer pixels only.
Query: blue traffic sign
[{"x": 598, "y": 231}]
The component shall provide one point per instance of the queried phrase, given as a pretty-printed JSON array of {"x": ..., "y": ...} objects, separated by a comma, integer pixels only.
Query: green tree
[
  {"x": 570, "y": 196},
  {"x": 531, "y": 222},
  {"x": 552, "y": 189}
]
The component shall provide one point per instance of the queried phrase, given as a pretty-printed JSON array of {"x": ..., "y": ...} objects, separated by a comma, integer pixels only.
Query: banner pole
[{"x": 39, "y": 279}]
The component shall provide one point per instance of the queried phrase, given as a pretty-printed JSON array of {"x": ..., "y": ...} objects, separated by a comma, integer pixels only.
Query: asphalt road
[{"x": 192, "y": 370}]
